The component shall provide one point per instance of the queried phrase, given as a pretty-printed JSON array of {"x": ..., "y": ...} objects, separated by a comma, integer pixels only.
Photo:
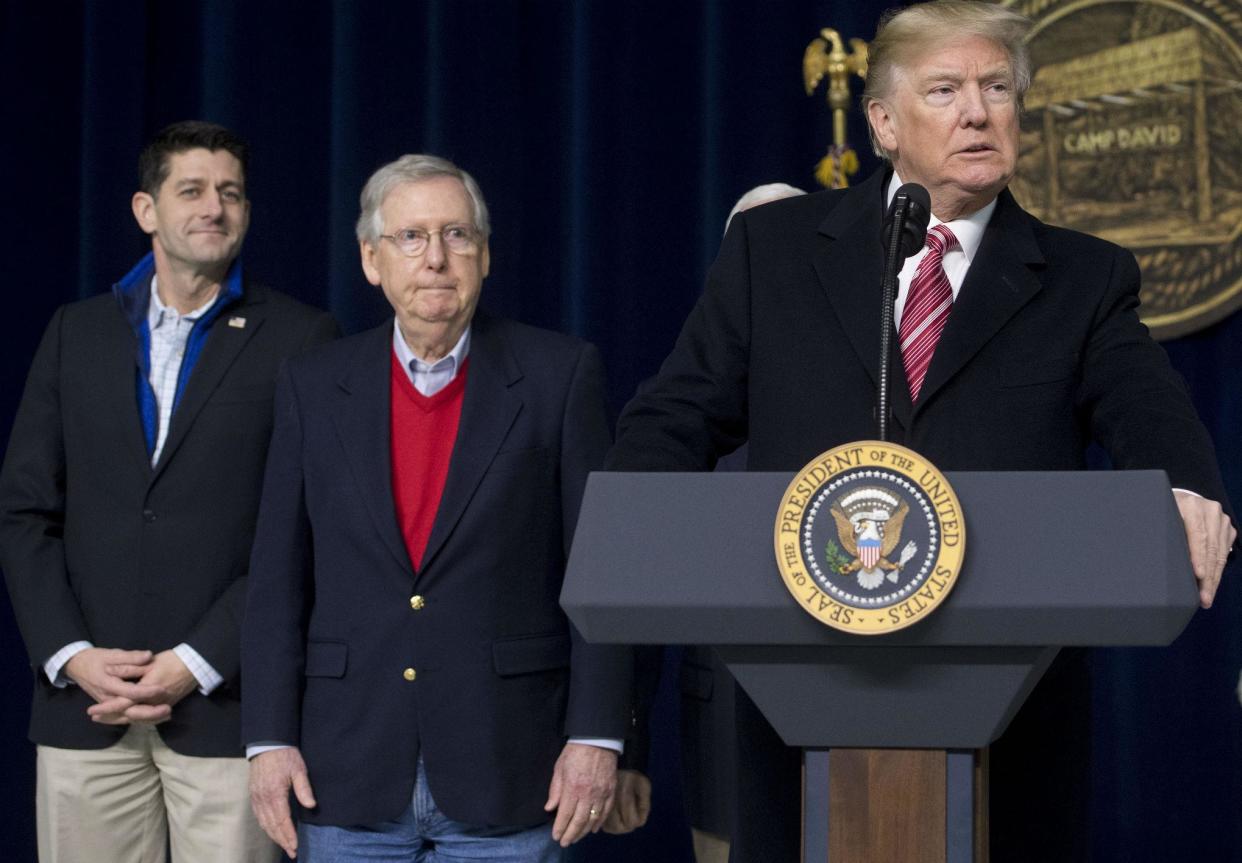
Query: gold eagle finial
[{"x": 826, "y": 56}]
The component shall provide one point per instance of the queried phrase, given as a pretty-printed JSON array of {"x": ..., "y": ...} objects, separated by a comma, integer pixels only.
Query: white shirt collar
[{"x": 968, "y": 229}]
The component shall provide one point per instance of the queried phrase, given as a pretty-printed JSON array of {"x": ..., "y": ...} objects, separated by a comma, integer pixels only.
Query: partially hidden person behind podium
[
  {"x": 708, "y": 727},
  {"x": 709, "y": 758},
  {"x": 1014, "y": 351},
  {"x": 403, "y": 639},
  {"x": 127, "y": 507}
]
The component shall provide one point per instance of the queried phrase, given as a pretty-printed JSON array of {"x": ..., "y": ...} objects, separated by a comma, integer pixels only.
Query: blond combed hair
[{"x": 904, "y": 35}]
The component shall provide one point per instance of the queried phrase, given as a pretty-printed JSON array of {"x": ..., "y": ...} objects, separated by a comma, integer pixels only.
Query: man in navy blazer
[
  {"x": 410, "y": 674},
  {"x": 1042, "y": 353}
]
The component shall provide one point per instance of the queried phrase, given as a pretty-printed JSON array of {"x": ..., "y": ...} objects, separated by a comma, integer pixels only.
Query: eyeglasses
[{"x": 458, "y": 239}]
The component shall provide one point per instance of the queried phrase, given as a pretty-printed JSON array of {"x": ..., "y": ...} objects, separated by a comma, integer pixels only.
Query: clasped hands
[{"x": 130, "y": 685}]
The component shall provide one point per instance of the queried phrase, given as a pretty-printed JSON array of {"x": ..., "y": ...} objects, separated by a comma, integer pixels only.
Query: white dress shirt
[{"x": 969, "y": 233}]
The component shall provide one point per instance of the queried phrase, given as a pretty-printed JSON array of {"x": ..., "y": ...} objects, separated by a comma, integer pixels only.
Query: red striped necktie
[{"x": 927, "y": 309}]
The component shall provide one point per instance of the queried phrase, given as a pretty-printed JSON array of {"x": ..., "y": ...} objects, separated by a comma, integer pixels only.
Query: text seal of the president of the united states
[{"x": 869, "y": 537}]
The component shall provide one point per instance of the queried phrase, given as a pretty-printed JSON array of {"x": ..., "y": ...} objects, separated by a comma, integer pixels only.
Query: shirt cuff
[
  {"x": 617, "y": 746},
  {"x": 207, "y": 677},
  {"x": 259, "y": 748},
  {"x": 53, "y": 667}
]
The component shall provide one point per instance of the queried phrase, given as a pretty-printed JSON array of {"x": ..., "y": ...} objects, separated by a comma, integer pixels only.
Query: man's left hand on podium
[{"x": 1210, "y": 535}]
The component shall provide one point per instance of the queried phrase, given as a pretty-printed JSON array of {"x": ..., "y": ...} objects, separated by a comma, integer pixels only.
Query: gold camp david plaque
[
  {"x": 869, "y": 537},
  {"x": 1130, "y": 132}
]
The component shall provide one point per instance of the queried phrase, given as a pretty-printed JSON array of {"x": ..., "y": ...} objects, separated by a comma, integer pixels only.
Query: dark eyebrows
[{"x": 199, "y": 182}]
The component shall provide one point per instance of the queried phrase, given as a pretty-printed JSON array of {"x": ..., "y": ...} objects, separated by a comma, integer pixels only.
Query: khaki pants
[
  {"x": 129, "y": 802},
  {"x": 708, "y": 847}
]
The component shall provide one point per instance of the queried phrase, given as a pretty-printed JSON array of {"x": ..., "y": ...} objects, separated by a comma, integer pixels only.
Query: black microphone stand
[
  {"x": 892, "y": 261},
  {"x": 905, "y": 229}
]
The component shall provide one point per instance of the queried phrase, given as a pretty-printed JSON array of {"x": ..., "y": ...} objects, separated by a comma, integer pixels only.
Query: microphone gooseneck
[{"x": 905, "y": 229}]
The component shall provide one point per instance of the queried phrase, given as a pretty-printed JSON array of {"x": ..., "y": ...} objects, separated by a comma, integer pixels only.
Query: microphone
[
  {"x": 905, "y": 229},
  {"x": 910, "y": 212}
]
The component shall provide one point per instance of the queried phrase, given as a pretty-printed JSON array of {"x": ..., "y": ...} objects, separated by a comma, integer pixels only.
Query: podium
[{"x": 1052, "y": 559}]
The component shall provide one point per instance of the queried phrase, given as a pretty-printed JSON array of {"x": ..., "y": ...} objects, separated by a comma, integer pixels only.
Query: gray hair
[
  {"x": 905, "y": 34},
  {"x": 412, "y": 168},
  {"x": 764, "y": 194}
]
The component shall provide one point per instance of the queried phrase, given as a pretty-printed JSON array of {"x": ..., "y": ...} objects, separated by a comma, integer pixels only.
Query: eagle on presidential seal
[{"x": 869, "y": 522}]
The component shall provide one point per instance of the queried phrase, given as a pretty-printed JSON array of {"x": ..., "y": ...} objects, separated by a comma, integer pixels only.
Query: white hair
[
  {"x": 762, "y": 195},
  {"x": 412, "y": 168}
]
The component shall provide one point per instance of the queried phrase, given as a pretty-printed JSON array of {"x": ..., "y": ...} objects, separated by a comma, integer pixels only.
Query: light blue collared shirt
[
  {"x": 430, "y": 378},
  {"x": 170, "y": 330}
]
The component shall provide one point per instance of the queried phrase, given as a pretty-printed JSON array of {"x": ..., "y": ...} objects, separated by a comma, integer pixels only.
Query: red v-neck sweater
[{"x": 423, "y": 429}]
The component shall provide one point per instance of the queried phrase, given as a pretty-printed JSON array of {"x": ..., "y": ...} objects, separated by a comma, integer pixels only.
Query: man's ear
[
  {"x": 485, "y": 262},
  {"x": 143, "y": 206},
  {"x": 367, "y": 252},
  {"x": 881, "y": 120}
]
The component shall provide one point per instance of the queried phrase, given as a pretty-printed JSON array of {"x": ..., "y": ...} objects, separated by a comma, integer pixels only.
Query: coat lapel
[
  {"x": 116, "y": 363},
  {"x": 1001, "y": 280},
  {"x": 850, "y": 266},
  {"x": 489, "y": 407},
  {"x": 363, "y": 423},
  {"x": 224, "y": 343}
]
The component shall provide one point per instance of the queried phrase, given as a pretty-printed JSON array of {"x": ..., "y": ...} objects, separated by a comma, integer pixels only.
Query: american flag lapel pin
[{"x": 237, "y": 321}]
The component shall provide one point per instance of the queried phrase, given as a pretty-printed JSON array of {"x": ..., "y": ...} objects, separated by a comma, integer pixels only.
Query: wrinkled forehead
[
  {"x": 434, "y": 201},
  {"x": 953, "y": 59}
]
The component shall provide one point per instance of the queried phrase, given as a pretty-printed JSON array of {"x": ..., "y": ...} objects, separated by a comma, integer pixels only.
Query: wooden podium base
[{"x": 895, "y": 805}]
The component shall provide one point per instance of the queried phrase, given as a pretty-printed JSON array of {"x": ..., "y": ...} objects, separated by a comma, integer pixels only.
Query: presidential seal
[{"x": 869, "y": 537}]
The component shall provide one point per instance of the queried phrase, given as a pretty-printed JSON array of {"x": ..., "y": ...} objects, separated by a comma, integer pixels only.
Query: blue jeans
[{"x": 423, "y": 834}]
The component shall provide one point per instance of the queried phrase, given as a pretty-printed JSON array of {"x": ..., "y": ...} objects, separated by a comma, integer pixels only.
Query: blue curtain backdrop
[{"x": 611, "y": 139}]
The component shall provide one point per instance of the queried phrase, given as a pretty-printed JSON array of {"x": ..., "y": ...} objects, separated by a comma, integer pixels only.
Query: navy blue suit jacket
[
  {"x": 98, "y": 545},
  {"x": 501, "y": 676}
]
